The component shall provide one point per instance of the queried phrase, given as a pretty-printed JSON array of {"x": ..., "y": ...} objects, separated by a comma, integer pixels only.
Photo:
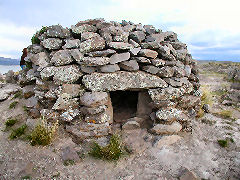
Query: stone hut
[{"x": 98, "y": 75}]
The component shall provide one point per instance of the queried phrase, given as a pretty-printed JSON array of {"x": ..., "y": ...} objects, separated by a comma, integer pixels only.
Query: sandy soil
[{"x": 198, "y": 152}]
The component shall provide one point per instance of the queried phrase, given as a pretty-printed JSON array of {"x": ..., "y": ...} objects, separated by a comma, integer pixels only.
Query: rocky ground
[{"x": 155, "y": 157}]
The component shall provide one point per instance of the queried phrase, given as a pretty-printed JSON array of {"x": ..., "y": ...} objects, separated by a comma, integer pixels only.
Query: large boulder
[{"x": 122, "y": 80}]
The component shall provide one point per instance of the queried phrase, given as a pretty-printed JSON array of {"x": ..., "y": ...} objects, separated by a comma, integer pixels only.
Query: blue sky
[{"x": 210, "y": 28}]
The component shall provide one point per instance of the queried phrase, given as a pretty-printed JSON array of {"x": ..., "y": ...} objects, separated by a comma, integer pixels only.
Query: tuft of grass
[
  {"x": 25, "y": 109},
  {"x": 43, "y": 134},
  {"x": 223, "y": 143},
  {"x": 69, "y": 162},
  {"x": 206, "y": 98},
  {"x": 225, "y": 114},
  {"x": 113, "y": 151},
  {"x": 10, "y": 122},
  {"x": 26, "y": 177},
  {"x": 18, "y": 95},
  {"x": 219, "y": 92},
  {"x": 18, "y": 132},
  {"x": 13, "y": 104}
]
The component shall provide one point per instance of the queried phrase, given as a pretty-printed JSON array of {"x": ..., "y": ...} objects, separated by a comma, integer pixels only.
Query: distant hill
[{"x": 9, "y": 61}]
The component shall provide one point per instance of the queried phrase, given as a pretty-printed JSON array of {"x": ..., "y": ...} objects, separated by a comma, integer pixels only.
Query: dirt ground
[{"x": 199, "y": 152}]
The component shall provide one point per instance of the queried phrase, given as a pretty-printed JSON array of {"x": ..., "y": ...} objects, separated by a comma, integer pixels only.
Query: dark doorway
[{"x": 124, "y": 105}]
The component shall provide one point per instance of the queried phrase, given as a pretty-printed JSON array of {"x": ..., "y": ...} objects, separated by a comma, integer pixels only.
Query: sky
[{"x": 210, "y": 28}]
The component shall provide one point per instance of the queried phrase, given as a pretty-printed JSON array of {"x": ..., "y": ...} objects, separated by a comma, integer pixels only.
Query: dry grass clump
[
  {"x": 43, "y": 134},
  {"x": 226, "y": 113},
  {"x": 13, "y": 104},
  {"x": 18, "y": 132},
  {"x": 206, "y": 98}
]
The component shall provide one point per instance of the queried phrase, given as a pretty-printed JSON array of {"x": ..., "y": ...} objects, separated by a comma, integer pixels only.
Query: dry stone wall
[{"x": 74, "y": 69}]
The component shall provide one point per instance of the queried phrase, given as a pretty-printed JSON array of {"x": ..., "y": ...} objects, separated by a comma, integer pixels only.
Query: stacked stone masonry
[{"x": 75, "y": 69}]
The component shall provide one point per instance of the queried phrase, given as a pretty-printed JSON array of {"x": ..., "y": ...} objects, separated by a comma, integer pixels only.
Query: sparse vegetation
[
  {"x": 10, "y": 122},
  {"x": 13, "y": 104},
  {"x": 206, "y": 98},
  {"x": 113, "y": 151},
  {"x": 18, "y": 132},
  {"x": 43, "y": 133},
  {"x": 18, "y": 95},
  {"x": 26, "y": 177},
  {"x": 226, "y": 113},
  {"x": 25, "y": 109},
  {"x": 223, "y": 143},
  {"x": 68, "y": 162},
  {"x": 35, "y": 39}
]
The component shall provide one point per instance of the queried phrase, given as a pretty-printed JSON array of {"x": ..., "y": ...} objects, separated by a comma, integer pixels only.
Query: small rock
[
  {"x": 93, "y": 44},
  {"x": 137, "y": 36},
  {"x": 167, "y": 129},
  {"x": 148, "y": 53},
  {"x": 142, "y": 60},
  {"x": 120, "y": 45},
  {"x": 151, "y": 69},
  {"x": 166, "y": 141},
  {"x": 61, "y": 57},
  {"x": 94, "y": 99},
  {"x": 135, "y": 51},
  {"x": 73, "y": 90},
  {"x": 88, "y": 35},
  {"x": 130, "y": 125},
  {"x": 83, "y": 28},
  {"x": 68, "y": 153},
  {"x": 34, "y": 113},
  {"x": 52, "y": 43},
  {"x": 131, "y": 65},
  {"x": 206, "y": 108},
  {"x": 188, "y": 175},
  {"x": 116, "y": 58},
  {"x": 57, "y": 31},
  {"x": 135, "y": 44},
  {"x": 168, "y": 115},
  {"x": 88, "y": 69},
  {"x": 71, "y": 43},
  {"x": 95, "y": 110},
  {"x": 31, "y": 102},
  {"x": 95, "y": 61},
  {"x": 110, "y": 68},
  {"x": 166, "y": 72},
  {"x": 158, "y": 62},
  {"x": 76, "y": 55},
  {"x": 104, "y": 53}
]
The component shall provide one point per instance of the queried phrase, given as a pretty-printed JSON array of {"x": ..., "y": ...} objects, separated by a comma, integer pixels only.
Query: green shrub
[
  {"x": 112, "y": 151},
  {"x": 35, "y": 39},
  {"x": 18, "y": 132},
  {"x": 43, "y": 134},
  {"x": 28, "y": 65},
  {"x": 18, "y": 95},
  {"x": 13, "y": 105},
  {"x": 10, "y": 122},
  {"x": 223, "y": 143}
]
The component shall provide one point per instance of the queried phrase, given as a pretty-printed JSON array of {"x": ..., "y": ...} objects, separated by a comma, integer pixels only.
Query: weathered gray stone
[
  {"x": 69, "y": 114},
  {"x": 102, "y": 53},
  {"x": 28, "y": 91},
  {"x": 137, "y": 36},
  {"x": 52, "y": 43},
  {"x": 168, "y": 115},
  {"x": 151, "y": 45},
  {"x": 166, "y": 72},
  {"x": 61, "y": 57},
  {"x": 158, "y": 62},
  {"x": 148, "y": 53},
  {"x": 167, "y": 141},
  {"x": 7, "y": 90},
  {"x": 122, "y": 80},
  {"x": 151, "y": 69},
  {"x": 179, "y": 72},
  {"x": 120, "y": 45},
  {"x": 68, "y": 153},
  {"x": 172, "y": 82},
  {"x": 149, "y": 29},
  {"x": 62, "y": 74},
  {"x": 31, "y": 102},
  {"x": 128, "y": 28},
  {"x": 130, "y": 125},
  {"x": 71, "y": 43},
  {"x": 93, "y": 44},
  {"x": 98, "y": 118},
  {"x": 88, "y": 69},
  {"x": 35, "y": 48},
  {"x": 67, "y": 74},
  {"x": 57, "y": 31},
  {"x": 188, "y": 175},
  {"x": 74, "y": 90},
  {"x": 95, "y": 110},
  {"x": 95, "y": 61},
  {"x": 131, "y": 65},
  {"x": 83, "y": 28},
  {"x": 155, "y": 37},
  {"x": 94, "y": 99},
  {"x": 90, "y": 21},
  {"x": 170, "y": 36},
  {"x": 123, "y": 37},
  {"x": 65, "y": 102},
  {"x": 178, "y": 45},
  {"x": 135, "y": 44},
  {"x": 167, "y": 129},
  {"x": 110, "y": 68},
  {"x": 76, "y": 55},
  {"x": 116, "y": 58},
  {"x": 88, "y": 35},
  {"x": 189, "y": 101},
  {"x": 187, "y": 70},
  {"x": 142, "y": 60},
  {"x": 134, "y": 51},
  {"x": 41, "y": 59}
]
